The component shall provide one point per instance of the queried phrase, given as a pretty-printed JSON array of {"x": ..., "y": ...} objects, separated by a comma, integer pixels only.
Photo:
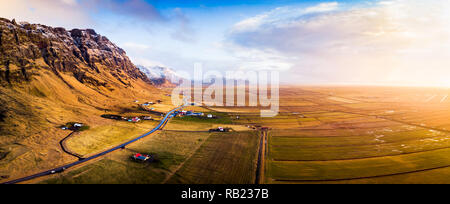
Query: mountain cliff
[
  {"x": 51, "y": 76},
  {"x": 89, "y": 57}
]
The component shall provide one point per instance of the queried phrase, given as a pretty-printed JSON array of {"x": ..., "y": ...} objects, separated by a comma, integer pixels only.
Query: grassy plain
[
  {"x": 357, "y": 135},
  {"x": 172, "y": 148},
  {"x": 100, "y": 138},
  {"x": 225, "y": 158},
  {"x": 188, "y": 153},
  {"x": 322, "y": 135}
]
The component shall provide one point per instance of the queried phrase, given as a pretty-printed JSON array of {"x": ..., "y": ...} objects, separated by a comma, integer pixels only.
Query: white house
[{"x": 77, "y": 125}]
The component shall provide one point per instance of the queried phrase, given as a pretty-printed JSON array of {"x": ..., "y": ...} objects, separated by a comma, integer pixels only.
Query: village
[{"x": 154, "y": 115}]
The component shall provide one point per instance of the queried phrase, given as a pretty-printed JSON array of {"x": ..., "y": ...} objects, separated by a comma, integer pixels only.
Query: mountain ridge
[
  {"x": 51, "y": 76},
  {"x": 88, "y": 56}
]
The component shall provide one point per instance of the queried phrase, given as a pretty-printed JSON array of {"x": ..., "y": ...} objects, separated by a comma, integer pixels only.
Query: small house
[
  {"x": 77, "y": 125},
  {"x": 141, "y": 157},
  {"x": 189, "y": 113},
  {"x": 148, "y": 104},
  {"x": 135, "y": 119}
]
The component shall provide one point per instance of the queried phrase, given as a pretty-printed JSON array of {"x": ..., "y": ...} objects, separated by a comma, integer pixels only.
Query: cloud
[
  {"x": 70, "y": 2},
  {"x": 67, "y": 13},
  {"x": 183, "y": 32},
  {"x": 396, "y": 41},
  {"x": 73, "y": 13},
  {"x": 111, "y": 17},
  {"x": 95, "y": 13},
  {"x": 137, "y": 9},
  {"x": 323, "y": 7},
  {"x": 257, "y": 59},
  {"x": 136, "y": 46},
  {"x": 147, "y": 63},
  {"x": 282, "y": 16}
]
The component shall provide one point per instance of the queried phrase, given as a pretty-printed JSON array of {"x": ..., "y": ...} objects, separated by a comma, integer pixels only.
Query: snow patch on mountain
[{"x": 160, "y": 74}]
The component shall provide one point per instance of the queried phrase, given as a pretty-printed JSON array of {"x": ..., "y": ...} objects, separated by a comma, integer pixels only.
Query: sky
[{"x": 369, "y": 42}]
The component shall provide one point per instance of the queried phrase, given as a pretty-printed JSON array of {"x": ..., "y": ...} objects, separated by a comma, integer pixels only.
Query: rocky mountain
[
  {"x": 91, "y": 58},
  {"x": 161, "y": 76},
  {"x": 52, "y": 76}
]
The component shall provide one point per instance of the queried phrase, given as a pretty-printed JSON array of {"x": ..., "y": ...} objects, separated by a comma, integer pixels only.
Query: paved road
[{"x": 161, "y": 125}]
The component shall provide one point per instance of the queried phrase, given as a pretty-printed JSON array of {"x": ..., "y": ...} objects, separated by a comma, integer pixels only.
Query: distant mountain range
[{"x": 160, "y": 76}]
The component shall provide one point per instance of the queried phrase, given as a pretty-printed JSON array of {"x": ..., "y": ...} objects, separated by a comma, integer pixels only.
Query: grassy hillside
[
  {"x": 172, "y": 148},
  {"x": 31, "y": 114}
]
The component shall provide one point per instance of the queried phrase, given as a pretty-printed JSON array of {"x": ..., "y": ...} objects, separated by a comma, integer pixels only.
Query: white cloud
[
  {"x": 135, "y": 46},
  {"x": 64, "y": 13},
  {"x": 70, "y": 2},
  {"x": 146, "y": 62},
  {"x": 255, "y": 59},
  {"x": 395, "y": 41},
  {"x": 323, "y": 7},
  {"x": 282, "y": 16}
]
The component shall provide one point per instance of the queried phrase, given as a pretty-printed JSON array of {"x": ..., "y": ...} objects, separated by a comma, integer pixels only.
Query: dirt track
[{"x": 261, "y": 159}]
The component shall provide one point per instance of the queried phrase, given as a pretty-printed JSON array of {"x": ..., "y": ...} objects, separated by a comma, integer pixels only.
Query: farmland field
[
  {"x": 356, "y": 135},
  {"x": 224, "y": 159},
  {"x": 171, "y": 148},
  {"x": 321, "y": 135},
  {"x": 184, "y": 156}
]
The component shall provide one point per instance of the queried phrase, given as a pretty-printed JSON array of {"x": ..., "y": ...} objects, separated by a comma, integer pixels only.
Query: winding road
[{"x": 61, "y": 169}]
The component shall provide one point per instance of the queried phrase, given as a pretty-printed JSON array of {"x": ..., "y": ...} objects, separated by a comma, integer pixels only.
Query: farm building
[
  {"x": 134, "y": 120},
  {"x": 77, "y": 125},
  {"x": 148, "y": 104},
  {"x": 190, "y": 113},
  {"x": 141, "y": 157},
  {"x": 221, "y": 129}
]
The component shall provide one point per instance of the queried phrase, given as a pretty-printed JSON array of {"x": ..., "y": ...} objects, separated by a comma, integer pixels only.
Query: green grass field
[
  {"x": 222, "y": 118},
  {"x": 190, "y": 156},
  {"x": 118, "y": 168},
  {"x": 378, "y": 135},
  {"x": 384, "y": 138},
  {"x": 100, "y": 138},
  {"x": 225, "y": 158},
  {"x": 358, "y": 168}
]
